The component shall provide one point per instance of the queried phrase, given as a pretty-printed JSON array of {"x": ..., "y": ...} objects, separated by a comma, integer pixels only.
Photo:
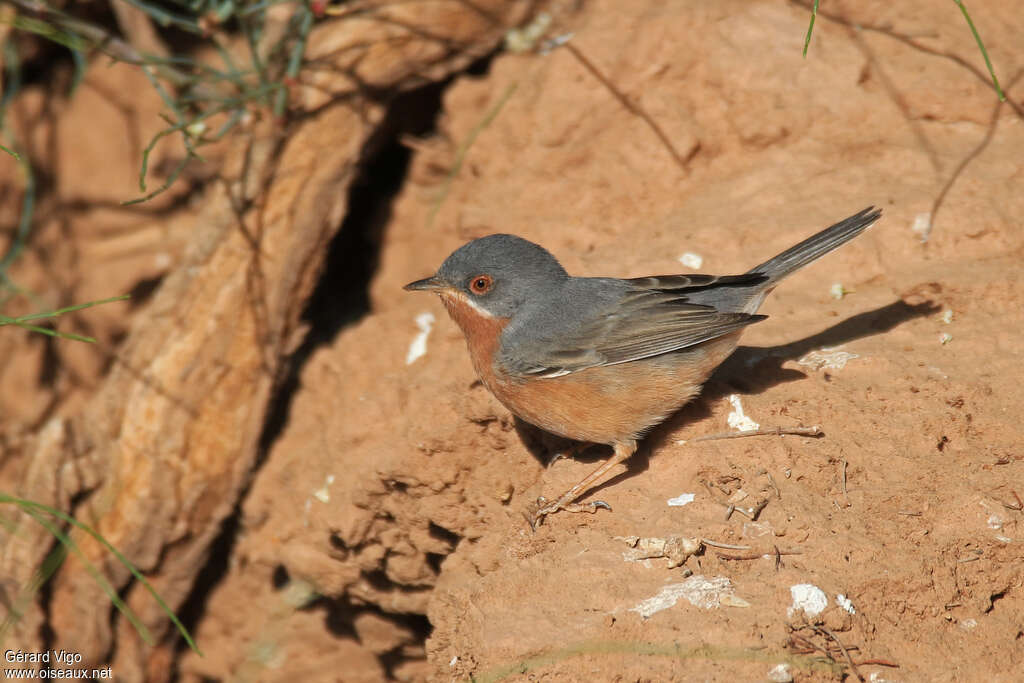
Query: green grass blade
[
  {"x": 23, "y": 321},
  {"x": 70, "y": 309},
  {"x": 984, "y": 52},
  {"x": 4, "y": 320},
  {"x": 34, "y": 509},
  {"x": 807, "y": 40},
  {"x": 51, "y": 32}
]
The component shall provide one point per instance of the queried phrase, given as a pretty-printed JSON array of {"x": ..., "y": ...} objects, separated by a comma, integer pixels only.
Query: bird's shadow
[{"x": 749, "y": 370}]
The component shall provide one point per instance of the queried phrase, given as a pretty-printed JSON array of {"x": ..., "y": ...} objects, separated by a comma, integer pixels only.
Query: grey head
[{"x": 497, "y": 273}]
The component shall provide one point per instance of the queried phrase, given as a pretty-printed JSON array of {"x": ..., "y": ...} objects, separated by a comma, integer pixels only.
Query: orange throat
[{"x": 482, "y": 331}]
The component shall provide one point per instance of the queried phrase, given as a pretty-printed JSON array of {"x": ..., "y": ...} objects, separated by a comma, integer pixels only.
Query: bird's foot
[{"x": 544, "y": 508}]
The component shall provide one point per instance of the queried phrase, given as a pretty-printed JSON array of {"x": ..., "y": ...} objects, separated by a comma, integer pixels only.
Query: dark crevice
[
  {"x": 47, "y": 636},
  {"x": 57, "y": 555},
  {"x": 449, "y": 538},
  {"x": 993, "y": 598},
  {"x": 379, "y": 580},
  {"x": 142, "y": 291},
  {"x": 434, "y": 560},
  {"x": 337, "y": 542},
  {"x": 115, "y": 614},
  {"x": 419, "y": 626},
  {"x": 340, "y": 298},
  {"x": 481, "y": 67},
  {"x": 340, "y": 617},
  {"x": 51, "y": 361},
  {"x": 280, "y": 578},
  {"x": 216, "y": 567}
]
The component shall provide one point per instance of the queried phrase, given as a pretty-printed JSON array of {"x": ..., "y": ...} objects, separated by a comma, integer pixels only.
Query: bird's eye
[{"x": 481, "y": 284}]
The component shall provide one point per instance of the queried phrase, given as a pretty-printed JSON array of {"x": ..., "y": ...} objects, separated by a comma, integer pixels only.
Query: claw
[
  {"x": 537, "y": 518},
  {"x": 590, "y": 508},
  {"x": 569, "y": 453},
  {"x": 555, "y": 458},
  {"x": 544, "y": 509}
]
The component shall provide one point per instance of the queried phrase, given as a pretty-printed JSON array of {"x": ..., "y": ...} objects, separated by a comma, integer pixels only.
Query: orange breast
[
  {"x": 612, "y": 403},
  {"x": 604, "y": 404}
]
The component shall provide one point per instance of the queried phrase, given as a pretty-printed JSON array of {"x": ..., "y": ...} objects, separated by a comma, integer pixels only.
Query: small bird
[{"x": 598, "y": 359}]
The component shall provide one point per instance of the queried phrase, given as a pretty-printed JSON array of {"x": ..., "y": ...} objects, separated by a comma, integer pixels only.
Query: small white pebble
[
  {"x": 945, "y": 338},
  {"x": 454, "y": 660},
  {"x": 807, "y": 598},
  {"x": 418, "y": 346},
  {"x": 682, "y": 499},
  {"x": 737, "y": 418},
  {"x": 922, "y": 226},
  {"x": 845, "y": 603},
  {"x": 947, "y": 316},
  {"x": 969, "y": 624},
  {"x": 523, "y": 39},
  {"x": 322, "y": 494},
  {"x": 780, "y": 674},
  {"x": 691, "y": 260},
  {"x": 837, "y": 291}
]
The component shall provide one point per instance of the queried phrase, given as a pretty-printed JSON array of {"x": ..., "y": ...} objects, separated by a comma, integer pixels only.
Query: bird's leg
[{"x": 623, "y": 449}]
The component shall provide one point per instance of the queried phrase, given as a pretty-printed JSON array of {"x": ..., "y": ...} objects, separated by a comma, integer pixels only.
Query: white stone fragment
[
  {"x": 737, "y": 418},
  {"x": 845, "y": 603},
  {"x": 682, "y": 499},
  {"x": 807, "y": 598},
  {"x": 922, "y": 226},
  {"x": 692, "y": 260},
  {"x": 323, "y": 494},
  {"x": 418, "y": 347},
  {"x": 698, "y": 590},
  {"x": 780, "y": 674},
  {"x": 827, "y": 358}
]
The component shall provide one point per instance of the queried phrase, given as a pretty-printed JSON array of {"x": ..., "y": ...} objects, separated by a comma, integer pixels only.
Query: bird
[{"x": 598, "y": 359}]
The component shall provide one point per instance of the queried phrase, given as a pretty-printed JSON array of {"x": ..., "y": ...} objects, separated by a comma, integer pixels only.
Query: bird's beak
[{"x": 430, "y": 284}]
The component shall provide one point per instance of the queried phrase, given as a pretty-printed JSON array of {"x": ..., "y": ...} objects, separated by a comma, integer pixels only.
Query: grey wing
[{"x": 651, "y": 317}]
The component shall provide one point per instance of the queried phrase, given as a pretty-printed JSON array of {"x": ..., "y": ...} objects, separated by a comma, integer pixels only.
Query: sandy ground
[{"x": 383, "y": 533}]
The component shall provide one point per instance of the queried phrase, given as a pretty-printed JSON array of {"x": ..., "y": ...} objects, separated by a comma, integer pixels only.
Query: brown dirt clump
[{"x": 373, "y": 514}]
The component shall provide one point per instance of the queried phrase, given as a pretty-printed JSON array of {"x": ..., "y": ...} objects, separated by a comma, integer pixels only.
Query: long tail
[{"x": 812, "y": 248}]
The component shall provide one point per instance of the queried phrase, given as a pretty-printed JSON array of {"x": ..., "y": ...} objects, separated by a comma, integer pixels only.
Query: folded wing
[{"x": 651, "y": 316}]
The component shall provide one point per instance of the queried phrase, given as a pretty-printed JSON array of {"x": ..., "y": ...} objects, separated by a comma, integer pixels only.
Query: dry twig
[{"x": 634, "y": 108}]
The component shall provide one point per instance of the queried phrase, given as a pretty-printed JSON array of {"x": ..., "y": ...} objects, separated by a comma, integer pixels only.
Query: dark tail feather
[{"x": 815, "y": 247}]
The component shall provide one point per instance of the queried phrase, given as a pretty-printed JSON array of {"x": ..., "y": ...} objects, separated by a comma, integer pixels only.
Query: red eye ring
[{"x": 481, "y": 284}]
